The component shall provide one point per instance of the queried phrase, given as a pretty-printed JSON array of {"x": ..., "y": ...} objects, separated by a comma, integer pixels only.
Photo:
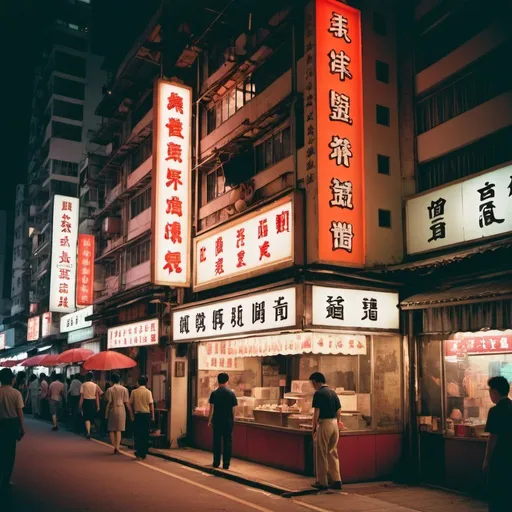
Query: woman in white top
[
  {"x": 117, "y": 399},
  {"x": 89, "y": 401}
]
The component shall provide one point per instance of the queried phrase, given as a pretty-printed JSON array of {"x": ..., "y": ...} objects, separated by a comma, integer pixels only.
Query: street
[{"x": 60, "y": 471}]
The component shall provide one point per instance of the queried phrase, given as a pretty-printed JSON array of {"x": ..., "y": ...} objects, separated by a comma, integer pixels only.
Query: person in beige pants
[{"x": 326, "y": 434}]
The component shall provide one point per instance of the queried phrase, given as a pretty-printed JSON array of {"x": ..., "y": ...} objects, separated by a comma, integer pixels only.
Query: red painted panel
[
  {"x": 357, "y": 458},
  {"x": 388, "y": 452},
  {"x": 202, "y": 435},
  {"x": 240, "y": 441},
  {"x": 276, "y": 449}
]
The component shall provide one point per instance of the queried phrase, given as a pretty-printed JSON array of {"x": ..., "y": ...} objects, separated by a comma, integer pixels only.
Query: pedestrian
[
  {"x": 74, "y": 399},
  {"x": 498, "y": 453},
  {"x": 43, "y": 396},
  {"x": 326, "y": 434},
  {"x": 221, "y": 418},
  {"x": 118, "y": 401},
  {"x": 33, "y": 395},
  {"x": 21, "y": 385},
  {"x": 141, "y": 400},
  {"x": 12, "y": 426},
  {"x": 89, "y": 404},
  {"x": 56, "y": 395}
]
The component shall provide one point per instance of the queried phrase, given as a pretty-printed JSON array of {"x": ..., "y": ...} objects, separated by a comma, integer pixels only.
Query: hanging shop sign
[
  {"x": 229, "y": 354},
  {"x": 33, "y": 328},
  {"x": 333, "y": 106},
  {"x": 7, "y": 339},
  {"x": 76, "y": 320},
  {"x": 478, "y": 345},
  {"x": 473, "y": 209},
  {"x": 171, "y": 187},
  {"x": 260, "y": 242},
  {"x": 362, "y": 309},
  {"x": 64, "y": 240},
  {"x": 85, "y": 271},
  {"x": 263, "y": 311},
  {"x": 137, "y": 334},
  {"x": 2, "y": 340},
  {"x": 46, "y": 324},
  {"x": 81, "y": 335}
]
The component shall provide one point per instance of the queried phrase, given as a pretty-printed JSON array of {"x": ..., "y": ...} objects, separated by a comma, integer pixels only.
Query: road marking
[
  {"x": 311, "y": 507},
  {"x": 195, "y": 484}
]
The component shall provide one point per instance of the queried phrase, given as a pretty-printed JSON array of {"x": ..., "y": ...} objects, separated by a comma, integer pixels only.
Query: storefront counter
[
  {"x": 363, "y": 456},
  {"x": 454, "y": 462}
]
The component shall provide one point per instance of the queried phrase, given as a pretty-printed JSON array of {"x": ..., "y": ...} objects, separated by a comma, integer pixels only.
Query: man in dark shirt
[
  {"x": 326, "y": 433},
  {"x": 222, "y": 402},
  {"x": 499, "y": 445}
]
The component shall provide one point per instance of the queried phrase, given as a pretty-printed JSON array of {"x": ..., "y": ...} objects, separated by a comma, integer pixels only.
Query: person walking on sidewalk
[
  {"x": 12, "y": 427},
  {"x": 74, "y": 399},
  {"x": 56, "y": 392},
  {"x": 222, "y": 402},
  {"x": 326, "y": 434},
  {"x": 34, "y": 395},
  {"x": 141, "y": 400},
  {"x": 89, "y": 402},
  {"x": 499, "y": 445},
  {"x": 43, "y": 396},
  {"x": 117, "y": 399}
]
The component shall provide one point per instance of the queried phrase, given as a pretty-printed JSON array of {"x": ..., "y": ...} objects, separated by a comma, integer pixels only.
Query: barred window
[
  {"x": 140, "y": 203},
  {"x": 138, "y": 254}
]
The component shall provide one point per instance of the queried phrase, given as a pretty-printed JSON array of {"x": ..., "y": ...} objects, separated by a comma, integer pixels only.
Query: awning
[{"x": 479, "y": 292}]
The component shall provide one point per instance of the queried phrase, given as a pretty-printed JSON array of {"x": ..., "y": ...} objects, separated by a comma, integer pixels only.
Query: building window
[
  {"x": 66, "y": 131},
  {"x": 231, "y": 102},
  {"x": 138, "y": 254},
  {"x": 382, "y": 71},
  {"x": 70, "y": 64},
  {"x": 216, "y": 184},
  {"x": 384, "y": 218},
  {"x": 382, "y": 114},
  {"x": 383, "y": 164},
  {"x": 63, "y": 168},
  {"x": 69, "y": 88},
  {"x": 140, "y": 203},
  {"x": 111, "y": 268},
  {"x": 73, "y": 111},
  {"x": 273, "y": 149},
  {"x": 143, "y": 152},
  {"x": 379, "y": 24}
]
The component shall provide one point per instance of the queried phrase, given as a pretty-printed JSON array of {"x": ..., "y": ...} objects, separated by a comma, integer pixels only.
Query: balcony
[
  {"x": 138, "y": 275},
  {"x": 141, "y": 174},
  {"x": 112, "y": 245},
  {"x": 113, "y": 194},
  {"x": 139, "y": 224},
  {"x": 111, "y": 287}
]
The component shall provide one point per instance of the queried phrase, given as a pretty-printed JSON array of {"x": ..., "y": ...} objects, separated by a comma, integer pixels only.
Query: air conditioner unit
[{"x": 112, "y": 226}]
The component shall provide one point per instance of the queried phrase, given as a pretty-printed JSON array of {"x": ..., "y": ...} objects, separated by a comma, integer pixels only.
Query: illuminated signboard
[
  {"x": 479, "y": 344},
  {"x": 85, "y": 271},
  {"x": 256, "y": 312},
  {"x": 342, "y": 307},
  {"x": 33, "y": 328},
  {"x": 256, "y": 244},
  {"x": 63, "y": 266},
  {"x": 469, "y": 210},
  {"x": 134, "y": 335},
  {"x": 46, "y": 325},
  {"x": 334, "y": 133},
  {"x": 171, "y": 188},
  {"x": 76, "y": 320},
  {"x": 81, "y": 335}
]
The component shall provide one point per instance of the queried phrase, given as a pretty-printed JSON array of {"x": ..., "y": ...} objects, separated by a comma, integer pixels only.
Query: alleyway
[{"x": 59, "y": 471}]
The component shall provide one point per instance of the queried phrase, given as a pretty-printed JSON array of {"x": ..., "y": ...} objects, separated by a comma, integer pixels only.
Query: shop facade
[{"x": 269, "y": 340}]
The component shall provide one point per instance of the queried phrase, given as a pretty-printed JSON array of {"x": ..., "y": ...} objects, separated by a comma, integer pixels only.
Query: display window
[{"x": 274, "y": 389}]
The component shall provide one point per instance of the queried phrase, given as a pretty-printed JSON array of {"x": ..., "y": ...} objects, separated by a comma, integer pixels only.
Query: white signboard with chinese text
[
  {"x": 46, "y": 325},
  {"x": 257, "y": 312},
  {"x": 81, "y": 335},
  {"x": 64, "y": 248},
  {"x": 476, "y": 208},
  {"x": 33, "y": 324},
  {"x": 76, "y": 320},
  {"x": 365, "y": 309},
  {"x": 229, "y": 354},
  {"x": 137, "y": 334},
  {"x": 247, "y": 246},
  {"x": 171, "y": 185}
]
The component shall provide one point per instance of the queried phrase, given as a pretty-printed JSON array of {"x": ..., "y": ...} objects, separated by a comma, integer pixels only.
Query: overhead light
[{"x": 42, "y": 349}]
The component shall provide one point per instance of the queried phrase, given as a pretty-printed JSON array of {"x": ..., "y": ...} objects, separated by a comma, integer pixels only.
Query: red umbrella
[
  {"x": 109, "y": 360},
  {"x": 33, "y": 361},
  {"x": 49, "y": 360},
  {"x": 74, "y": 355},
  {"x": 9, "y": 363}
]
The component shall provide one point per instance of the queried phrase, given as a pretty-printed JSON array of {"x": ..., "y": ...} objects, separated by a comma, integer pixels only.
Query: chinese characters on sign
[
  {"x": 33, "y": 328},
  {"x": 334, "y": 131},
  {"x": 250, "y": 245},
  {"x": 85, "y": 271},
  {"x": 250, "y": 313},
  {"x": 64, "y": 240},
  {"x": 475, "y": 208},
  {"x": 478, "y": 345},
  {"x": 171, "y": 184},
  {"x": 134, "y": 335},
  {"x": 46, "y": 325},
  {"x": 76, "y": 320},
  {"x": 340, "y": 307}
]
